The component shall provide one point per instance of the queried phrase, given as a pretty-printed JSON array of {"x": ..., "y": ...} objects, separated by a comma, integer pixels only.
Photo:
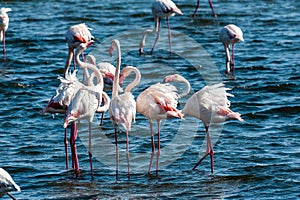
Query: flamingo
[
  {"x": 160, "y": 9},
  {"x": 4, "y": 21},
  {"x": 210, "y": 105},
  {"x": 211, "y": 6},
  {"x": 157, "y": 102},
  {"x": 87, "y": 100},
  {"x": 122, "y": 108},
  {"x": 179, "y": 78},
  {"x": 229, "y": 35},
  {"x": 76, "y": 35},
  {"x": 7, "y": 184}
]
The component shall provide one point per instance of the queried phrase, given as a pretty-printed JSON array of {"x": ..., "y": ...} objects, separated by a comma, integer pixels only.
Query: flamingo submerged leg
[
  {"x": 90, "y": 150},
  {"x": 153, "y": 147},
  {"x": 197, "y": 6},
  {"x": 212, "y": 8},
  {"x": 169, "y": 34},
  {"x": 157, "y": 29},
  {"x": 209, "y": 151},
  {"x": 66, "y": 148}
]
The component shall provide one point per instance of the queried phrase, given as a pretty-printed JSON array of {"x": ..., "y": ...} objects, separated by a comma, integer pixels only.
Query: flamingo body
[{"x": 229, "y": 35}]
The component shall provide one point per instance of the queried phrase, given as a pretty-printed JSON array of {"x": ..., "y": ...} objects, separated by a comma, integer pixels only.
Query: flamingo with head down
[{"x": 160, "y": 9}]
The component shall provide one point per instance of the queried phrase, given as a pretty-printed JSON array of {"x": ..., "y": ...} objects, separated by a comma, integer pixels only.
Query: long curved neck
[
  {"x": 84, "y": 65},
  {"x": 187, "y": 89},
  {"x": 117, "y": 72},
  {"x": 137, "y": 79}
]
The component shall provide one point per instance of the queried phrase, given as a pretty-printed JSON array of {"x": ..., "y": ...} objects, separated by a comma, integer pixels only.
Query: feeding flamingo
[
  {"x": 4, "y": 21},
  {"x": 87, "y": 100},
  {"x": 157, "y": 102},
  {"x": 211, "y": 6},
  {"x": 76, "y": 35},
  {"x": 160, "y": 9},
  {"x": 122, "y": 108},
  {"x": 7, "y": 184},
  {"x": 210, "y": 105},
  {"x": 229, "y": 35}
]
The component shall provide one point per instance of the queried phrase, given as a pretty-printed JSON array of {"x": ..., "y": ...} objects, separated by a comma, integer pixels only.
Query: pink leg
[
  {"x": 198, "y": 4},
  {"x": 74, "y": 150},
  {"x": 169, "y": 35},
  {"x": 209, "y": 151},
  {"x": 153, "y": 147},
  {"x": 158, "y": 147},
  {"x": 66, "y": 148},
  {"x": 90, "y": 150},
  {"x": 212, "y": 8},
  {"x": 4, "y": 47},
  {"x": 101, "y": 121},
  {"x": 127, "y": 154},
  {"x": 117, "y": 153},
  {"x": 232, "y": 60},
  {"x": 157, "y": 37}
]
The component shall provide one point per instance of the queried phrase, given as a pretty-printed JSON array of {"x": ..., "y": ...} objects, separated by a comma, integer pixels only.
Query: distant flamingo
[
  {"x": 7, "y": 184},
  {"x": 210, "y": 105},
  {"x": 87, "y": 100},
  {"x": 4, "y": 21},
  {"x": 160, "y": 9},
  {"x": 122, "y": 108},
  {"x": 76, "y": 35},
  {"x": 229, "y": 35},
  {"x": 211, "y": 6},
  {"x": 158, "y": 102}
]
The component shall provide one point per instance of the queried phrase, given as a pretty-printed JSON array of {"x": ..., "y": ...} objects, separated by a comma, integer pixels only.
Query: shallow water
[{"x": 259, "y": 158}]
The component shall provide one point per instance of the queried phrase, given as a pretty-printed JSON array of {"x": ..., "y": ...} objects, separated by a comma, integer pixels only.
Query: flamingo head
[{"x": 173, "y": 78}]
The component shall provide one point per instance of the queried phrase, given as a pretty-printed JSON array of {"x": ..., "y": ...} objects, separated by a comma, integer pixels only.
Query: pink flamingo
[
  {"x": 87, "y": 100},
  {"x": 211, "y": 6},
  {"x": 76, "y": 35},
  {"x": 4, "y": 21},
  {"x": 160, "y": 9},
  {"x": 7, "y": 184},
  {"x": 210, "y": 105},
  {"x": 229, "y": 35},
  {"x": 158, "y": 102},
  {"x": 122, "y": 108}
]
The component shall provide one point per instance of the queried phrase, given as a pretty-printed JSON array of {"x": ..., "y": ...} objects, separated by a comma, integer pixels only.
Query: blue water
[{"x": 259, "y": 158}]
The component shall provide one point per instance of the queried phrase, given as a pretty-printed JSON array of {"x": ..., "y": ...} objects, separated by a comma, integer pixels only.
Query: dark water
[{"x": 256, "y": 159}]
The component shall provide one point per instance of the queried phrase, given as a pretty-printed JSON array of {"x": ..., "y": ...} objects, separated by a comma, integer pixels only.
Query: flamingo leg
[
  {"x": 117, "y": 153},
  {"x": 4, "y": 47},
  {"x": 90, "y": 150},
  {"x": 169, "y": 35},
  {"x": 127, "y": 154},
  {"x": 153, "y": 147},
  {"x": 66, "y": 148},
  {"x": 209, "y": 151},
  {"x": 232, "y": 60},
  {"x": 101, "y": 120},
  {"x": 197, "y": 6},
  {"x": 74, "y": 132},
  {"x": 212, "y": 8},
  {"x": 158, "y": 147},
  {"x": 157, "y": 29}
]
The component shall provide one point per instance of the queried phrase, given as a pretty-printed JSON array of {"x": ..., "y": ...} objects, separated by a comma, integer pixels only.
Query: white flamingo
[
  {"x": 122, "y": 108},
  {"x": 4, "y": 21},
  {"x": 229, "y": 35},
  {"x": 160, "y": 9}
]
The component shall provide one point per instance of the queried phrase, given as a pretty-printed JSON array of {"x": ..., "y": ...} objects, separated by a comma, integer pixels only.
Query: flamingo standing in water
[
  {"x": 4, "y": 21},
  {"x": 210, "y": 105},
  {"x": 76, "y": 35},
  {"x": 7, "y": 184},
  {"x": 211, "y": 6},
  {"x": 158, "y": 102},
  {"x": 229, "y": 35},
  {"x": 87, "y": 100},
  {"x": 122, "y": 109},
  {"x": 160, "y": 9}
]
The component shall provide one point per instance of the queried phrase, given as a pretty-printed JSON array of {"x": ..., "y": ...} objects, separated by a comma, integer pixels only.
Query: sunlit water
[{"x": 259, "y": 158}]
